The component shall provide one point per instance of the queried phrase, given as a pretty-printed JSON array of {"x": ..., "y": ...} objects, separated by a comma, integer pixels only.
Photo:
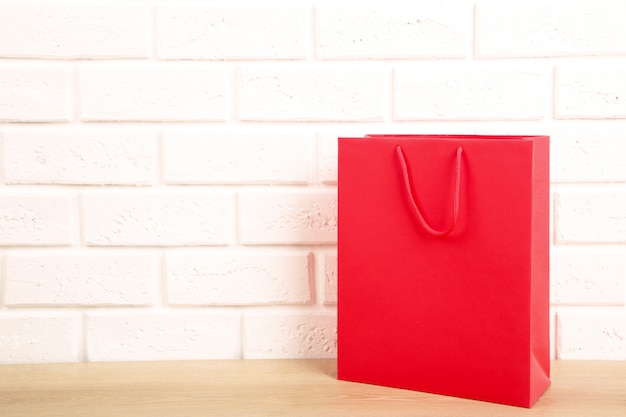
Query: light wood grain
[{"x": 299, "y": 388}]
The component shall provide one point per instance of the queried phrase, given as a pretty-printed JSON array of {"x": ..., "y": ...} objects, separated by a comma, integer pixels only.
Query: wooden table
[{"x": 299, "y": 388}]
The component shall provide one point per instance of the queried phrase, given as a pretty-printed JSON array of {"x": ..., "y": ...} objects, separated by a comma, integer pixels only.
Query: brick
[
  {"x": 41, "y": 338},
  {"x": 330, "y": 278},
  {"x": 35, "y": 219},
  {"x": 35, "y": 94},
  {"x": 74, "y": 30},
  {"x": 590, "y": 216},
  {"x": 588, "y": 276},
  {"x": 200, "y": 157},
  {"x": 590, "y": 92},
  {"x": 163, "y": 335},
  {"x": 156, "y": 92},
  {"x": 311, "y": 94},
  {"x": 591, "y": 334},
  {"x": 158, "y": 218},
  {"x": 553, "y": 353},
  {"x": 548, "y": 29},
  {"x": 234, "y": 278},
  {"x": 286, "y": 335},
  {"x": 203, "y": 31},
  {"x": 588, "y": 154},
  {"x": 287, "y": 217},
  {"x": 82, "y": 278},
  {"x": 472, "y": 93},
  {"x": 393, "y": 32},
  {"x": 79, "y": 156},
  {"x": 327, "y": 158}
]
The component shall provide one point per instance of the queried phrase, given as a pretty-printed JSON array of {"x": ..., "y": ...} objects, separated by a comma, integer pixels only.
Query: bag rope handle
[{"x": 409, "y": 191}]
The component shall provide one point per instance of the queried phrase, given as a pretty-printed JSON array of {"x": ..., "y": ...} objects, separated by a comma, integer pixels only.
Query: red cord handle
[{"x": 409, "y": 191}]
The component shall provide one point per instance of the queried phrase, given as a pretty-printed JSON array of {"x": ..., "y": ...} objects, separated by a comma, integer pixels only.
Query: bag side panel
[{"x": 540, "y": 284}]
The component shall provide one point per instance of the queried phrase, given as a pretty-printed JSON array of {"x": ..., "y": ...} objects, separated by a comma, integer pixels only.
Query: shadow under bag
[{"x": 443, "y": 265}]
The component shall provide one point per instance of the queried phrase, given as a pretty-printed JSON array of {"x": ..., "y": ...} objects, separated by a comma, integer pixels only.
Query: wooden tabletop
[{"x": 299, "y": 388}]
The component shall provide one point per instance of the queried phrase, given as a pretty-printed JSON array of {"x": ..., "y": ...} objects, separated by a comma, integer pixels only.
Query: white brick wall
[
  {"x": 594, "y": 275},
  {"x": 459, "y": 92},
  {"x": 73, "y": 29},
  {"x": 588, "y": 216},
  {"x": 327, "y": 157},
  {"x": 225, "y": 278},
  {"x": 196, "y": 30},
  {"x": 590, "y": 92},
  {"x": 330, "y": 278},
  {"x": 159, "y": 335},
  {"x": 311, "y": 94},
  {"x": 197, "y": 157},
  {"x": 41, "y": 337},
  {"x": 35, "y": 218},
  {"x": 148, "y": 218},
  {"x": 593, "y": 334},
  {"x": 432, "y": 30},
  {"x": 82, "y": 278},
  {"x": 587, "y": 153},
  {"x": 152, "y": 92},
  {"x": 80, "y": 156},
  {"x": 289, "y": 335},
  {"x": 168, "y": 169},
  {"x": 295, "y": 217},
  {"x": 550, "y": 29},
  {"x": 35, "y": 93}
]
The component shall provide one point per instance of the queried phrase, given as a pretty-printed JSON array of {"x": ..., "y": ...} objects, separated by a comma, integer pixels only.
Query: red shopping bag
[{"x": 443, "y": 265}]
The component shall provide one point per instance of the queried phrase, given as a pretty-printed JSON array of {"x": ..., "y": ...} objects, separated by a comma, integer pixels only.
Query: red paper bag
[{"x": 443, "y": 265}]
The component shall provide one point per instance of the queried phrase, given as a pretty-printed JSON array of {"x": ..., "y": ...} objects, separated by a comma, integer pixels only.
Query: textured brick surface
[
  {"x": 196, "y": 157},
  {"x": 590, "y": 92},
  {"x": 35, "y": 93},
  {"x": 74, "y": 29},
  {"x": 588, "y": 276},
  {"x": 327, "y": 158},
  {"x": 308, "y": 94},
  {"x": 152, "y": 92},
  {"x": 588, "y": 153},
  {"x": 472, "y": 93},
  {"x": 287, "y": 217},
  {"x": 35, "y": 219},
  {"x": 230, "y": 31},
  {"x": 79, "y": 278},
  {"x": 397, "y": 31},
  {"x": 218, "y": 278},
  {"x": 158, "y": 218},
  {"x": 282, "y": 335},
  {"x": 550, "y": 28},
  {"x": 591, "y": 216},
  {"x": 330, "y": 278},
  {"x": 68, "y": 156},
  {"x": 29, "y": 338},
  {"x": 162, "y": 335},
  {"x": 591, "y": 334}
]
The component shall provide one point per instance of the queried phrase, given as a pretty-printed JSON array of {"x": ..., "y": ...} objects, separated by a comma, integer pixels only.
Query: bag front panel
[{"x": 442, "y": 314}]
